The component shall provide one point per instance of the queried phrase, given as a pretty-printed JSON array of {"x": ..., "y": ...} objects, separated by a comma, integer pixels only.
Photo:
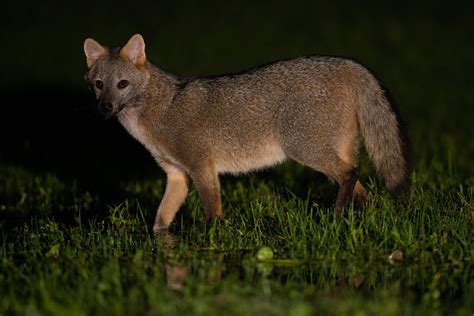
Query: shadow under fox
[{"x": 315, "y": 110}]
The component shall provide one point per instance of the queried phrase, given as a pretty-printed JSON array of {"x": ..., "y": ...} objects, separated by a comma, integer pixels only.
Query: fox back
[{"x": 315, "y": 110}]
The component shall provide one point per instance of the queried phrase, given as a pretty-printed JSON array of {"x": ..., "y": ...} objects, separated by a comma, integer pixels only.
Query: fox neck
[
  {"x": 143, "y": 113},
  {"x": 157, "y": 90}
]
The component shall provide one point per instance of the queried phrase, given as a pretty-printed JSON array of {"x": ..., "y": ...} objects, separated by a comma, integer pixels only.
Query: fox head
[{"x": 116, "y": 76}]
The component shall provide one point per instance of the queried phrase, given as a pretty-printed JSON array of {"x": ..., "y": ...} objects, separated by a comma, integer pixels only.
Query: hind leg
[
  {"x": 329, "y": 146},
  {"x": 344, "y": 174},
  {"x": 360, "y": 195},
  {"x": 336, "y": 169},
  {"x": 347, "y": 181}
]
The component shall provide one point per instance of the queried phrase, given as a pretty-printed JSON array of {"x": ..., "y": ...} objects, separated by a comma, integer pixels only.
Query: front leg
[
  {"x": 207, "y": 184},
  {"x": 175, "y": 194}
]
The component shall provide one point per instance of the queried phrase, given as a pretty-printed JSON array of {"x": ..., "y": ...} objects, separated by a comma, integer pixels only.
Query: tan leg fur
[{"x": 175, "y": 194}]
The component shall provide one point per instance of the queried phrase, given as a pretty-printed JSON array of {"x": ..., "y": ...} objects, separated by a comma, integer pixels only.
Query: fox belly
[{"x": 246, "y": 159}]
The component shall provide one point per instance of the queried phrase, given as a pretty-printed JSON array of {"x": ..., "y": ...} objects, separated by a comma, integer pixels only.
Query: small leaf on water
[
  {"x": 265, "y": 253},
  {"x": 53, "y": 252},
  {"x": 396, "y": 257},
  {"x": 265, "y": 268}
]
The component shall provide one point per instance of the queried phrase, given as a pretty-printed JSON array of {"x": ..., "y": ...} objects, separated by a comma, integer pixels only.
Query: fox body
[{"x": 315, "y": 110}]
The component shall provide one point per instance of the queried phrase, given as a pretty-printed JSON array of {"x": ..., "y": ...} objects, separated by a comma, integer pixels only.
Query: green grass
[{"x": 75, "y": 263}]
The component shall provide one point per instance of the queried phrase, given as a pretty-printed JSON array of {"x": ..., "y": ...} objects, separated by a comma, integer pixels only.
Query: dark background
[{"x": 423, "y": 51}]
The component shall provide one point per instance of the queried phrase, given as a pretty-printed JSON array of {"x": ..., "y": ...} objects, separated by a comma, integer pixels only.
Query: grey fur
[{"x": 314, "y": 110}]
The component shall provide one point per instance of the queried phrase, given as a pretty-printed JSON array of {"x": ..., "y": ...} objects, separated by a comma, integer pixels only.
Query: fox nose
[{"x": 106, "y": 108}]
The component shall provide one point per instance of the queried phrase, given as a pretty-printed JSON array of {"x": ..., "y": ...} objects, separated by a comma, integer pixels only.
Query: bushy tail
[{"x": 384, "y": 140}]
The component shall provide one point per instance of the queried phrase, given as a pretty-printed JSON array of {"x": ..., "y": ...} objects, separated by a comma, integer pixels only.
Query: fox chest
[{"x": 136, "y": 127}]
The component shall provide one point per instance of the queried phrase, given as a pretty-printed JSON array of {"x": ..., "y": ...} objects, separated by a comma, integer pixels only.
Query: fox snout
[
  {"x": 109, "y": 109},
  {"x": 106, "y": 108}
]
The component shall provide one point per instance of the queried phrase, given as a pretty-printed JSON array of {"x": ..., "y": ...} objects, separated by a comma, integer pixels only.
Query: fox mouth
[
  {"x": 113, "y": 113},
  {"x": 120, "y": 108},
  {"x": 108, "y": 116}
]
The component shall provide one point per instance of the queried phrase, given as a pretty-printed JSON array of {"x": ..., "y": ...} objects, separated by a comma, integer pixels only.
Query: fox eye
[
  {"x": 122, "y": 84},
  {"x": 99, "y": 85}
]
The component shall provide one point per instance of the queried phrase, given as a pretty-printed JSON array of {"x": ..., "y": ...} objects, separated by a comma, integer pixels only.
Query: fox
[{"x": 315, "y": 110}]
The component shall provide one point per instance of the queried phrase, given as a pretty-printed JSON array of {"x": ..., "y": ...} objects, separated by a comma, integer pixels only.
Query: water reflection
[
  {"x": 175, "y": 275},
  {"x": 206, "y": 269},
  {"x": 175, "y": 270}
]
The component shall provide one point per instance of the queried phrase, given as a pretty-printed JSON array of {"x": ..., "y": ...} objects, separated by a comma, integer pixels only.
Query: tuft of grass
[
  {"x": 24, "y": 193},
  {"x": 112, "y": 263}
]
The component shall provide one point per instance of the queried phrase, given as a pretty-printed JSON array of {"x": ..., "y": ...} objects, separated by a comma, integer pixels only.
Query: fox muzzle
[{"x": 106, "y": 108}]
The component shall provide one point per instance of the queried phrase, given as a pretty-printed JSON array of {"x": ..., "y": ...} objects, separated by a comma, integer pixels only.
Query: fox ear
[
  {"x": 134, "y": 51},
  {"x": 93, "y": 51}
]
